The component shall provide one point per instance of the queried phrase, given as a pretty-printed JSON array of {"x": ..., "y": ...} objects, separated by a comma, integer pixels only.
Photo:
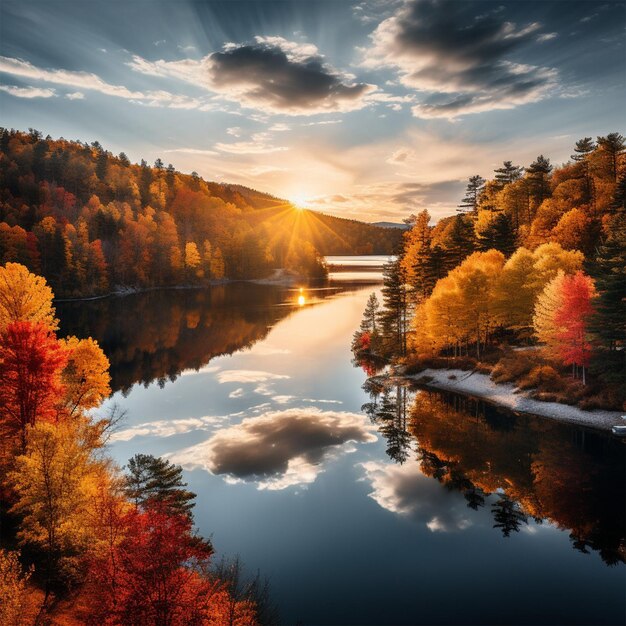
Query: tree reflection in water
[
  {"x": 522, "y": 467},
  {"x": 158, "y": 334}
]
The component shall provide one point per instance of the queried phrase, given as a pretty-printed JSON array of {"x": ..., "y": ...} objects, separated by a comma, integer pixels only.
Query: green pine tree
[{"x": 155, "y": 480}]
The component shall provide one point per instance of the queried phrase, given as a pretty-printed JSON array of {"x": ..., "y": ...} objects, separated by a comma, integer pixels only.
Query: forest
[
  {"x": 84, "y": 542},
  {"x": 91, "y": 222},
  {"x": 525, "y": 283}
]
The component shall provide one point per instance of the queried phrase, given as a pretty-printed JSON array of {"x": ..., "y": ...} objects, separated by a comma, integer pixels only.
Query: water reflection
[
  {"x": 278, "y": 449},
  {"x": 159, "y": 334},
  {"x": 518, "y": 467}
]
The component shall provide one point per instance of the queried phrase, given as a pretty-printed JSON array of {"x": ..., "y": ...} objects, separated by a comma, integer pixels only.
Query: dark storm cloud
[
  {"x": 279, "y": 448},
  {"x": 462, "y": 59},
  {"x": 268, "y": 75},
  {"x": 272, "y": 74}
]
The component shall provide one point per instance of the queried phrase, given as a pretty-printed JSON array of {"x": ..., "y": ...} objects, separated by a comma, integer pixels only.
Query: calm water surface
[{"x": 363, "y": 505}]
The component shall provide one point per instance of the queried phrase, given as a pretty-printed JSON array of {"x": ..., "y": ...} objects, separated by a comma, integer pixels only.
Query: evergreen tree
[
  {"x": 469, "y": 204},
  {"x": 393, "y": 317},
  {"x": 370, "y": 315},
  {"x": 499, "y": 235},
  {"x": 611, "y": 148},
  {"x": 538, "y": 175},
  {"x": 102, "y": 164},
  {"x": 153, "y": 479},
  {"x": 461, "y": 241},
  {"x": 609, "y": 320},
  {"x": 508, "y": 173},
  {"x": 583, "y": 148},
  {"x": 507, "y": 515},
  {"x": 437, "y": 263}
]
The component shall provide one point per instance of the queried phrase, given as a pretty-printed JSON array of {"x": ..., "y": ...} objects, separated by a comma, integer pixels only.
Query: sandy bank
[{"x": 507, "y": 395}]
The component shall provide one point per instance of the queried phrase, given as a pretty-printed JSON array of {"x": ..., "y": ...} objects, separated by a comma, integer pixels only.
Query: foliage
[
  {"x": 85, "y": 376},
  {"x": 24, "y": 297},
  {"x": 153, "y": 480},
  {"x": 31, "y": 361},
  {"x": 89, "y": 221},
  {"x": 534, "y": 228},
  {"x": 13, "y": 589}
]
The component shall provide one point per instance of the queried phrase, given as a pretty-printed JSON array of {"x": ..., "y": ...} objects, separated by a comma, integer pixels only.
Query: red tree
[
  {"x": 572, "y": 317},
  {"x": 156, "y": 575},
  {"x": 31, "y": 362}
]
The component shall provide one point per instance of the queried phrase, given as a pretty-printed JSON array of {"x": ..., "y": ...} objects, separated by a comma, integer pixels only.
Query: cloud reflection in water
[
  {"x": 404, "y": 490},
  {"x": 279, "y": 449}
]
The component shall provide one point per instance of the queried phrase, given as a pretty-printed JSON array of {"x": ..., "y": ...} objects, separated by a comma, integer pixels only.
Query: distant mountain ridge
[{"x": 391, "y": 225}]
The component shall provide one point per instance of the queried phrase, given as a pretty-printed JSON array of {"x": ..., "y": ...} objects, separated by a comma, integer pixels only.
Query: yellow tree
[
  {"x": 192, "y": 259},
  {"x": 550, "y": 258},
  {"x": 217, "y": 265},
  {"x": 55, "y": 482},
  {"x": 24, "y": 297},
  {"x": 548, "y": 303},
  {"x": 515, "y": 291},
  {"x": 85, "y": 377},
  {"x": 13, "y": 590}
]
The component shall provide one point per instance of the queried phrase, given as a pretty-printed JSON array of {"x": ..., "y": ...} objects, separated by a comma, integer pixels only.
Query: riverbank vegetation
[
  {"x": 526, "y": 282},
  {"x": 82, "y": 542},
  {"x": 89, "y": 221}
]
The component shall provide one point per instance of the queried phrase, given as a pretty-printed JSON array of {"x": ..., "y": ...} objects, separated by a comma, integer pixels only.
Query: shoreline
[
  {"x": 121, "y": 291},
  {"x": 507, "y": 395}
]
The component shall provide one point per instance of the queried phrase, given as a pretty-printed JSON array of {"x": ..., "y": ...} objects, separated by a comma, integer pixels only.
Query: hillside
[{"x": 90, "y": 221}]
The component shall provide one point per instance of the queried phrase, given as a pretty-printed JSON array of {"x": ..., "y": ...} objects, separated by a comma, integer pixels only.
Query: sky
[{"x": 371, "y": 109}]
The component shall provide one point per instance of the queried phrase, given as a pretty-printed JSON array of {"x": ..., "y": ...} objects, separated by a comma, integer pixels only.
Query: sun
[{"x": 299, "y": 201}]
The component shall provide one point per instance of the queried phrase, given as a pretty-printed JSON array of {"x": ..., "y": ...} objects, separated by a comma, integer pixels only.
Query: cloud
[
  {"x": 249, "y": 147},
  {"x": 247, "y": 376},
  {"x": 238, "y": 393},
  {"x": 283, "y": 399},
  {"x": 90, "y": 81},
  {"x": 167, "y": 428},
  {"x": 28, "y": 92},
  {"x": 460, "y": 61},
  {"x": 206, "y": 369},
  {"x": 272, "y": 74},
  {"x": 404, "y": 490},
  {"x": 279, "y": 449},
  {"x": 547, "y": 37},
  {"x": 75, "y": 95},
  {"x": 192, "y": 151}
]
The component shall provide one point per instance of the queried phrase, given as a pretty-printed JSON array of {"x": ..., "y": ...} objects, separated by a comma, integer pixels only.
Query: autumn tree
[
  {"x": 155, "y": 575},
  {"x": 546, "y": 308},
  {"x": 417, "y": 258},
  {"x": 85, "y": 376},
  {"x": 572, "y": 320},
  {"x": 14, "y": 599},
  {"x": 54, "y": 481},
  {"x": 31, "y": 362},
  {"x": 192, "y": 260},
  {"x": 24, "y": 297}
]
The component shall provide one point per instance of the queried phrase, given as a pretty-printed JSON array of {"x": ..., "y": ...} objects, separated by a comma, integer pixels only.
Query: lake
[{"x": 362, "y": 504}]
